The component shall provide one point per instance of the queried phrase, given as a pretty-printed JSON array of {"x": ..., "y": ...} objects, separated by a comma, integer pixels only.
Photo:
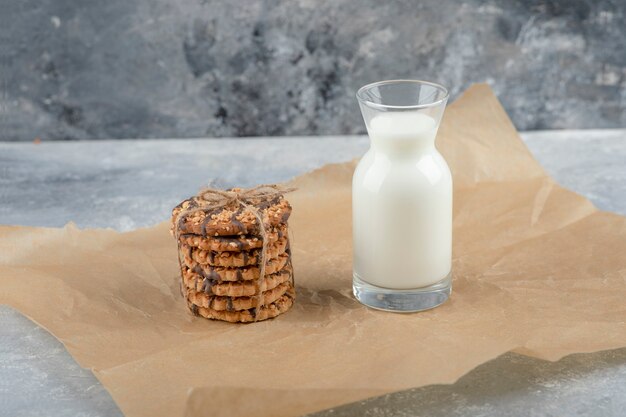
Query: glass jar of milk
[{"x": 402, "y": 200}]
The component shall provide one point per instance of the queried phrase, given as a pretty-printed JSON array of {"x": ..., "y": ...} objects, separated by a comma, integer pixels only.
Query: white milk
[{"x": 402, "y": 205}]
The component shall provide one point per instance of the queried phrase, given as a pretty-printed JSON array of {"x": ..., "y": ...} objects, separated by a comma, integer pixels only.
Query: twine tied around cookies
[{"x": 213, "y": 199}]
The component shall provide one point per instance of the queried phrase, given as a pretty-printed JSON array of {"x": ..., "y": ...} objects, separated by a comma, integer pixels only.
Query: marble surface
[
  {"x": 590, "y": 385},
  {"x": 131, "y": 184},
  {"x": 38, "y": 377},
  {"x": 196, "y": 68}
]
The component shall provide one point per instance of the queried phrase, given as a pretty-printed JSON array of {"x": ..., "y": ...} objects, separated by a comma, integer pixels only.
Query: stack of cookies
[{"x": 234, "y": 254}]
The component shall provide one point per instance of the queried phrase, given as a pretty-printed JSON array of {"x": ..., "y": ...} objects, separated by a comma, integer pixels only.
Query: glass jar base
[{"x": 402, "y": 301}]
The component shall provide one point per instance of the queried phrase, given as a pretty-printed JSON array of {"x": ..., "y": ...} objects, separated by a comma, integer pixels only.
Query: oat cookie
[
  {"x": 216, "y": 302},
  {"x": 277, "y": 308},
  {"x": 231, "y": 220},
  {"x": 197, "y": 282},
  {"x": 233, "y": 259},
  {"x": 247, "y": 273},
  {"x": 233, "y": 243}
]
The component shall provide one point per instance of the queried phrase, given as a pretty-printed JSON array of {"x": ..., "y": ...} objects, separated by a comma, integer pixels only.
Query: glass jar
[{"x": 402, "y": 200}]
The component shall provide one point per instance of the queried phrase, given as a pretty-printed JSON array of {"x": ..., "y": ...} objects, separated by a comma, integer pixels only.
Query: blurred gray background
[{"x": 94, "y": 69}]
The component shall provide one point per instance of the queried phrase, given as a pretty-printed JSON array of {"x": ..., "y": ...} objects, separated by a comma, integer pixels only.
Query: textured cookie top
[{"x": 193, "y": 216}]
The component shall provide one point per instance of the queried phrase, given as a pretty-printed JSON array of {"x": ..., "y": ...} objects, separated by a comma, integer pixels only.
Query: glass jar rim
[{"x": 364, "y": 100}]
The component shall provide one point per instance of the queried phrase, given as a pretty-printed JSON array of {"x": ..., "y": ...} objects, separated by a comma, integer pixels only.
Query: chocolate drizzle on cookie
[
  {"x": 210, "y": 281},
  {"x": 213, "y": 275},
  {"x": 198, "y": 270},
  {"x": 265, "y": 204},
  {"x": 204, "y": 224},
  {"x": 236, "y": 223},
  {"x": 207, "y": 285}
]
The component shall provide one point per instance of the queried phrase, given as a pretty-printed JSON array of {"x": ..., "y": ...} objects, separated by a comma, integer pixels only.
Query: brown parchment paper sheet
[{"x": 537, "y": 270}]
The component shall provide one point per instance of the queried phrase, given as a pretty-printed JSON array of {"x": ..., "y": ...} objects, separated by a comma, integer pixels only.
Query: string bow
[{"x": 216, "y": 198}]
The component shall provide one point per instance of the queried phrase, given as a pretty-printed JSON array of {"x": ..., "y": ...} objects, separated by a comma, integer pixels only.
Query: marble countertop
[{"x": 130, "y": 184}]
